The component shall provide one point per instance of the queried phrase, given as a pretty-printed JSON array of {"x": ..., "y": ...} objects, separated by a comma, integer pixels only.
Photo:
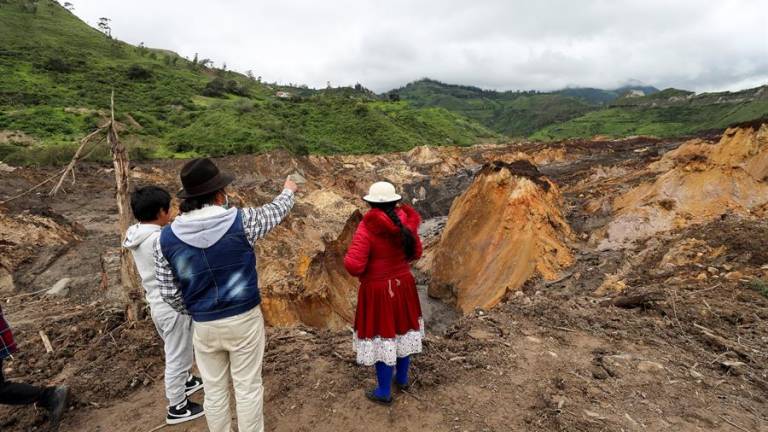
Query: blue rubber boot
[
  {"x": 401, "y": 375},
  {"x": 383, "y": 393}
]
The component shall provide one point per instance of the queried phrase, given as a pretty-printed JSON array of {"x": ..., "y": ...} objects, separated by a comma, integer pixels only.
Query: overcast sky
[{"x": 701, "y": 45}]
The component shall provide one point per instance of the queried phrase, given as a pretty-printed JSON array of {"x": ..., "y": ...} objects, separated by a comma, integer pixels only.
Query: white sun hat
[{"x": 382, "y": 192}]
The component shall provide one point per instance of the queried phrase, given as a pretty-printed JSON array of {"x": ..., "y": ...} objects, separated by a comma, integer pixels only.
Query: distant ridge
[{"x": 632, "y": 109}]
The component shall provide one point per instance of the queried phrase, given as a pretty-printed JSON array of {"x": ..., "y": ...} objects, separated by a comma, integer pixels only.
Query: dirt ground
[{"x": 667, "y": 333}]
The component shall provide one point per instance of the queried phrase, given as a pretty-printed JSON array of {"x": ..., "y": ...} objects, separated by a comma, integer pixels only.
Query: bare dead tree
[{"x": 128, "y": 276}]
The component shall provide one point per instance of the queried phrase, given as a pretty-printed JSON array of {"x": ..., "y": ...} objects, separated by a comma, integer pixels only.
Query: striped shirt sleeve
[
  {"x": 259, "y": 221},
  {"x": 167, "y": 282}
]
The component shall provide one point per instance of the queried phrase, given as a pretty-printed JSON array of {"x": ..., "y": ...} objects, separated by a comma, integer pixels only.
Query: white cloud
[{"x": 502, "y": 44}]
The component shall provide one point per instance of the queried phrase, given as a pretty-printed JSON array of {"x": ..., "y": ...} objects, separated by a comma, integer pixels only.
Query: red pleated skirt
[{"x": 388, "y": 321}]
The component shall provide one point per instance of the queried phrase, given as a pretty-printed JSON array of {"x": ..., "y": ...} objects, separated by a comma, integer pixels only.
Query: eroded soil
[{"x": 685, "y": 352}]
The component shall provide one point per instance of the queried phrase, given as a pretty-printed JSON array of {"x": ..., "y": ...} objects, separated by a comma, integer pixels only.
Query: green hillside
[
  {"x": 586, "y": 112},
  {"x": 669, "y": 113},
  {"x": 602, "y": 97},
  {"x": 510, "y": 113},
  {"x": 56, "y": 75}
]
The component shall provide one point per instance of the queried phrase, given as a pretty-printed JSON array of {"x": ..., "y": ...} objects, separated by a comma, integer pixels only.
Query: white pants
[
  {"x": 176, "y": 330},
  {"x": 233, "y": 347}
]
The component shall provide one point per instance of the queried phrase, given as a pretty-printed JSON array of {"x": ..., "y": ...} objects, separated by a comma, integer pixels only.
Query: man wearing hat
[{"x": 206, "y": 266}]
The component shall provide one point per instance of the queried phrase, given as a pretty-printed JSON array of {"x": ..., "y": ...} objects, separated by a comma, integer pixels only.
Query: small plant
[
  {"x": 759, "y": 285},
  {"x": 243, "y": 106}
]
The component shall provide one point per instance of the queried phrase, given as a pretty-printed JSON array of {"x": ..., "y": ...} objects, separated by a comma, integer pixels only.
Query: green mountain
[
  {"x": 602, "y": 97},
  {"x": 668, "y": 113},
  {"x": 515, "y": 113},
  {"x": 57, "y": 73},
  {"x": 510, "y": 113},
  {"x": 586, "y": 112}
]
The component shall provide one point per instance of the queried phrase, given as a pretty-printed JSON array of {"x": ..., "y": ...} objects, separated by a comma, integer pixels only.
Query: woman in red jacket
[{"x": 388, "y": 323}]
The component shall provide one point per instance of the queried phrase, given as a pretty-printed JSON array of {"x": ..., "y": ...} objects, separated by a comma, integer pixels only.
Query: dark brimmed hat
[{"x": 202, "y": 177}]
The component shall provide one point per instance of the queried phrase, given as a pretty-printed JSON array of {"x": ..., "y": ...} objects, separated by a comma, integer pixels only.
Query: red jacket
[{"x": 376, "y": 251}]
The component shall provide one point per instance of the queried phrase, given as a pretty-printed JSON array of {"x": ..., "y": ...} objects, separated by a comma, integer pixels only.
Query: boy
[{"x": 150, "y": 206}]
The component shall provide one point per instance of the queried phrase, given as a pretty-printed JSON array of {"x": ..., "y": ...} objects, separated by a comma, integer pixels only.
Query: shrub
[
  {"x": 235, "y": 88},
  {"x": 243, "y": 106},
  {"x": 138, "y": 73},
  {"x": 58, "y": 64},
  {"x": 215, "y": 88}
]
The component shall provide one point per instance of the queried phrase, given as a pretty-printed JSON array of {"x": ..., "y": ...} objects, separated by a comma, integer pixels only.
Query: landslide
[
  {"x": 301, "y": 275},
  {"x": 554, "y": 356},
  {"x": 695, "y": 183},
  {"x": 504, "y": 229}
]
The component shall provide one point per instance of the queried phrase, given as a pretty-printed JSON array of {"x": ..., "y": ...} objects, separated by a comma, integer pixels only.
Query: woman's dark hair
[
  {"x": 198, "y": 202},
  {"x": 147, "y": 202},
  {"x": 408, "y": 239}
]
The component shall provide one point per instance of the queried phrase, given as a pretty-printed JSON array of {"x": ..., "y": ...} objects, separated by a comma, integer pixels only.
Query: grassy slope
[
  {"x": 58, "y": 104},
  {"x": 511, "y": 113},
  {"x": 662, "y": 121},
  {"x": 573, "y": 113}
]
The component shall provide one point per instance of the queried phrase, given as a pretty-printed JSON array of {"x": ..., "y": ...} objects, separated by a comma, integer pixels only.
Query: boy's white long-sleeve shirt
[{"x": 140, "y": 239}]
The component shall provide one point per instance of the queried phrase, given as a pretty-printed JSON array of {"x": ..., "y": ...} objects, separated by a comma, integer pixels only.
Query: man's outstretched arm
[{"x": 259, "y": 221}]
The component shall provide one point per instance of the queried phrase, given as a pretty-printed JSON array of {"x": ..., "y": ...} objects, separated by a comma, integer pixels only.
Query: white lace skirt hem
[{"x": 372, "y": 351}]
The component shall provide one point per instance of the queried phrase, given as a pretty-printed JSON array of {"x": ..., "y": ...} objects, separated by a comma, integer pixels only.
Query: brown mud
[{"x": 686, "y": 351}]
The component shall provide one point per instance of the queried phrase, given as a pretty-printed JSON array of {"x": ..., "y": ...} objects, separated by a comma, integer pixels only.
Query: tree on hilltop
[{"x": 105, "y": 27}]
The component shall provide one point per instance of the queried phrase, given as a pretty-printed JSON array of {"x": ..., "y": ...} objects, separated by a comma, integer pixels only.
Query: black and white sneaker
[
  {"x": 193, "y": 384},
  {"x": 184, "y": 412}
]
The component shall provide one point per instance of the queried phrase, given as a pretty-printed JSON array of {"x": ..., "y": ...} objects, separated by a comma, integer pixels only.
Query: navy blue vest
[{"x": 216, "y": 282}]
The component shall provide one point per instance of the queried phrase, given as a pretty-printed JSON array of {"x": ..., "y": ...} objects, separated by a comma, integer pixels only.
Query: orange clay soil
[
  {"x": 696, "y": 183},
  {"x": 506, "y": 228}
]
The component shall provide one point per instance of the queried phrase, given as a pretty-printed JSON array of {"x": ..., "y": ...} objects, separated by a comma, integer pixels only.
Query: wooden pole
[{"x": 128, "y": 275}]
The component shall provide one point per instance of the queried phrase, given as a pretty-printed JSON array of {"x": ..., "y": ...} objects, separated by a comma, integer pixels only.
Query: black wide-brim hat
[{"x": 202, "y": 177}]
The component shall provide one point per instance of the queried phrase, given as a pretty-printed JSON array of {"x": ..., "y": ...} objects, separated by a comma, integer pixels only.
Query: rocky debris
[
  {"x": 60, "y": 288},
  {"x": 31, "y": 240},
  {"x": 329, "y": 293},
  {"x": 430, "y": 232},
  {"x": 733, "y": 367},
  {"x": 15, "y": 137},
  {"x": 649, "y": 366},
  {"x": 698, "y": 182},
  {"x": 5, "y": 168},
  {"x": 432, "y": 197},
  {"x": 298, "y": 178},
  {"x": 689, "y": 252},
  {"x": 7, "y": 287},
  {"x": 504, "y": 229},
  {"x": 538, "y": 362}
]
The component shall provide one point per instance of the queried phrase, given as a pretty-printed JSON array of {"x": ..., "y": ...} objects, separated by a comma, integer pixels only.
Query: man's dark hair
[
  {"x": 146, "y": 202},
  {"x": 198, "y": 202}
]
